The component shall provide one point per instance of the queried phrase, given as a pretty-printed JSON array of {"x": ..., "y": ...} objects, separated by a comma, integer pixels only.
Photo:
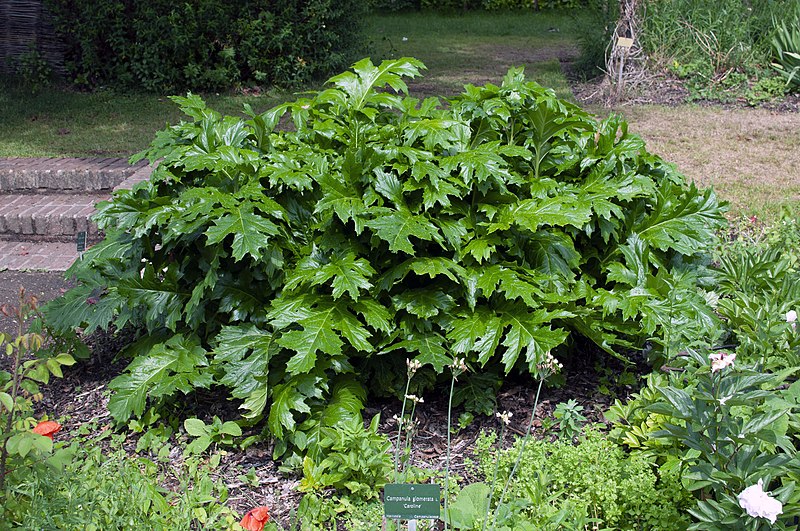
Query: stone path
[{"x": 46, "y": 203}]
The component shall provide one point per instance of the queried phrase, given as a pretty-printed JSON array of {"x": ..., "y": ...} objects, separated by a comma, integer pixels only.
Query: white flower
[
  {"x": 720, "y": 360},
  {"x": 405, "y": 39},
  {"x": 414, "y": 398},
  {"x": 759, "y": 504},
  {"x": 413, "y": 365},
  {"x": 791, "y": 317},
  {"x": 459, "y": 365},
  {"x": 505, "y": 417},
  {"x": 550, "y": 365}
]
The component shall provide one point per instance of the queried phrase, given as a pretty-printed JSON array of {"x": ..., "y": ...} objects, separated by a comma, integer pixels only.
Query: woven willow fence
[{"x": 26, "y": 25}]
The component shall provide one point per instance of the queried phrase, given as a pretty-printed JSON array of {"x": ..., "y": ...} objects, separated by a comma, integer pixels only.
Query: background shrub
[
  {"x": 204, "y": 44},
  {"x": 594, "y": 35},
  {"x": 393, "y": 5},
  {"x": 494, "y": 5},
  {"x": 533, "y": 4}
]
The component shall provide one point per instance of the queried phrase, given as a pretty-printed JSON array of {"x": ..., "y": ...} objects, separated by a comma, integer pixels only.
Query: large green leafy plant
[{"x": 289, "y": 265}]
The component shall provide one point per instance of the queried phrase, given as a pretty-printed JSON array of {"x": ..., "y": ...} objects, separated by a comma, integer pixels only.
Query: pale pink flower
[
  {"x": 791, "y": 318},
  {"x": 720, "y": 360},
  {"x": 759, "y": 504}
]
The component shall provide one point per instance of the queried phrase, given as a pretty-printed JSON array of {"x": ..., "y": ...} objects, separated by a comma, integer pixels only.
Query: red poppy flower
[
  {"x": 47, "y": 428},
  {"x": 255, "y": 519}
]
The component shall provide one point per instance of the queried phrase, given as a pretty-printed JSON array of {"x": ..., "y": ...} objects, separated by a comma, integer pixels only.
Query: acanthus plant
[{"x": 291, "y": 265}]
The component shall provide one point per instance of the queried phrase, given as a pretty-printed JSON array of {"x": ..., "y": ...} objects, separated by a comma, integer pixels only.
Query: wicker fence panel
[{"x": 26, "y": 25}]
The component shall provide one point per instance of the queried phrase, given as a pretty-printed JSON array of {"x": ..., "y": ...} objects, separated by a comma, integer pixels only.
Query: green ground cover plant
[
  {"x": 292, "y": 267},
  {"x": 92, "y": 482},
  {"x": 557, "y": 487}
]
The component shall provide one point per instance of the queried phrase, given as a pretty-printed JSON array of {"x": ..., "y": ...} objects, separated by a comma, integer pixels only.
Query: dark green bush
[
  {"x": 533, "y": 4},
  {"x": 493, "y": 5},
  {"x": 291, "y": 266},
  {"x": 594, "y": 35},
  {"x": 383, "y": 6},
  {"x": 204, "y": 44}
]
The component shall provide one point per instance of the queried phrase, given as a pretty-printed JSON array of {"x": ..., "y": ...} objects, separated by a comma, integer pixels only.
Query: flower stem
[
  {"x": 519, "y": 455},
  {"x": 447, "y": 462},
  {"x": 400, "y": 431},
  {"x": 409, "y": 439}
]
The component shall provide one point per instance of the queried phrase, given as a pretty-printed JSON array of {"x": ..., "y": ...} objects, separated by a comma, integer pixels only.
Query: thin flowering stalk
[
  {"x": 458, "y": 367},
  {"x": 505, "y": 420},
  {"x": 545, "y": 369},
  {"x": 412, "y": 366},
  {"x": 410, "y": 433}
]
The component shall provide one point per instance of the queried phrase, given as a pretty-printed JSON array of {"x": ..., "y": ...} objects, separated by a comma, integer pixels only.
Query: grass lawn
[
  {"x": 108, "y": 124},
  {"x": 477, "y": 48},
  {"x": 750, "y": 156}
]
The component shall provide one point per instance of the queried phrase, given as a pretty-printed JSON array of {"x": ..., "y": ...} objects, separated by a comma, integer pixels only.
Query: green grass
[
  {"x": 56, "y": 122},
  {"x": 476, "y": 47}
]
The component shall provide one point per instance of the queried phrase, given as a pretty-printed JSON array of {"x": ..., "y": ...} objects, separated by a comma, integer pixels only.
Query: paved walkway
[{"x": 37, "y": 256}]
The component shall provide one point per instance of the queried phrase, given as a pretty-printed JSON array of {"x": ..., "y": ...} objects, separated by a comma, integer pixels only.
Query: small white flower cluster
[
  {"x": 413, "y": 366},
  {"x": 505, "y": 417},
  {"x": 720, "y": 360},
  {"x": 459, "y": 366},
  {"x": 759, "y": 504},
  {"x": 414, "y": 398},
  {"x": 550, "y": 365},
  {"x": 791, "y": 318}
]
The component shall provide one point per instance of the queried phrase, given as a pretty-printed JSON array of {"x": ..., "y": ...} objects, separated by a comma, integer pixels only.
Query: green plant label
[
  {"x": 411, "y": 501},
  {"x": 81, "y": 241}
]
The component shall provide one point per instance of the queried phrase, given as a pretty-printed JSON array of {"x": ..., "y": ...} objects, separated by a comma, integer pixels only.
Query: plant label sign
[
  {"x": 624, "y": 42},
  {"x": 408, "y": 501},
  {"x": 81, "y": 241}
]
